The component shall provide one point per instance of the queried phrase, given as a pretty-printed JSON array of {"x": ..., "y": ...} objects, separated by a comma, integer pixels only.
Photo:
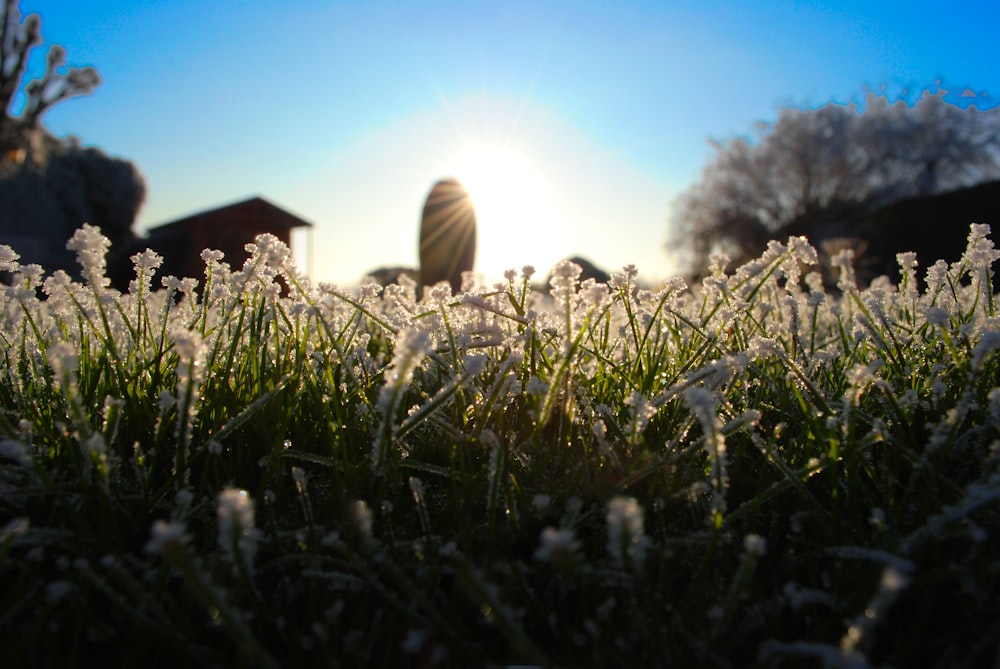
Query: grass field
[{"x": 751, "y": 472}]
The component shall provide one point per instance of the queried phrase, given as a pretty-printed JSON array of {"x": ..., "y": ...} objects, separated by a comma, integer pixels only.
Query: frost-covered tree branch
[
  {"x": 58, "y": 83},
  {"x": 16, "y": 40},
  {"x": 55, "y": 87}
]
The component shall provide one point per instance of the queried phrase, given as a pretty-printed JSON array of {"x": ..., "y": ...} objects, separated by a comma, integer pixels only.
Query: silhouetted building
[{"x": 227, "y": 229}]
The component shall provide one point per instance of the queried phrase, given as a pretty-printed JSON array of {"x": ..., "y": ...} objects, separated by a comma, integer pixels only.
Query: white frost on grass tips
[
  {"x": 557, "y": 546},
  {"x": 412, "y": 346},
  {"x": 627, "y": 541},
  {"x": 164, "y": 535},
  {"x": 237, "y": 528},
  {"x": 15, "y": 451}
]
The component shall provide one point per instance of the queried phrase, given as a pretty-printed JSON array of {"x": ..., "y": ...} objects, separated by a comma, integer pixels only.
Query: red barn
[{"x": 227, "y": 229}]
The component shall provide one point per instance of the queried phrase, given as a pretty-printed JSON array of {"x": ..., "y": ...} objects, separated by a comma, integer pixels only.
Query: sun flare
[{"x": 516, "y": 218}]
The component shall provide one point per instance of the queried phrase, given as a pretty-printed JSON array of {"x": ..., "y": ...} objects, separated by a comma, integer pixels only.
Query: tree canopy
[{"x": 828, "y": 164}]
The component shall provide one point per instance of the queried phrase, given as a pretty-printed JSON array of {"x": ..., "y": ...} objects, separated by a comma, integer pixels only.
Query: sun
[{"x": 517, "y": 220}]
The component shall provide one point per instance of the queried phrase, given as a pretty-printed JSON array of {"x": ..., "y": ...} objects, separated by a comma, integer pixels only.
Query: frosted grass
[{"x": 249, "y": 468}]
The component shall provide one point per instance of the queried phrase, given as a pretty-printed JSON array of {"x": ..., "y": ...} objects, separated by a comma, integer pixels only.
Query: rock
[{"x": 384, "y": 276}]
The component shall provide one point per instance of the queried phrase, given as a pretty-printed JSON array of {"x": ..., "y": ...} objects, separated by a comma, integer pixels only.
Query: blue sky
[{"x": 578, "y": 121}]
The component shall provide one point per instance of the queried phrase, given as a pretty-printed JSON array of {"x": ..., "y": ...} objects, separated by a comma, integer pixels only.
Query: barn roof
[{"x": 254, "y": 209}]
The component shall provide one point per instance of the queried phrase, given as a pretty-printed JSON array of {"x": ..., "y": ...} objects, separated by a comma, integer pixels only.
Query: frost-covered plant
[
  {"x": 238, "y": 533},
  {"x": 327, "y": 474}
]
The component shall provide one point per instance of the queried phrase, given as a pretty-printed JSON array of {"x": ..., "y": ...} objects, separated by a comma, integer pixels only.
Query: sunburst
[{"x": 518, "y": 223}]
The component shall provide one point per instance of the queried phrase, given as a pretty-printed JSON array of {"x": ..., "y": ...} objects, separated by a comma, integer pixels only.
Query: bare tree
[
  {"x": 17, "y": 39},
  {"x": 827, "y": 166}
]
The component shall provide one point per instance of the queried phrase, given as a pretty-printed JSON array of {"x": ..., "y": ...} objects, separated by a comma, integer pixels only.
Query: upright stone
[{"x": 447, "y": 235}]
